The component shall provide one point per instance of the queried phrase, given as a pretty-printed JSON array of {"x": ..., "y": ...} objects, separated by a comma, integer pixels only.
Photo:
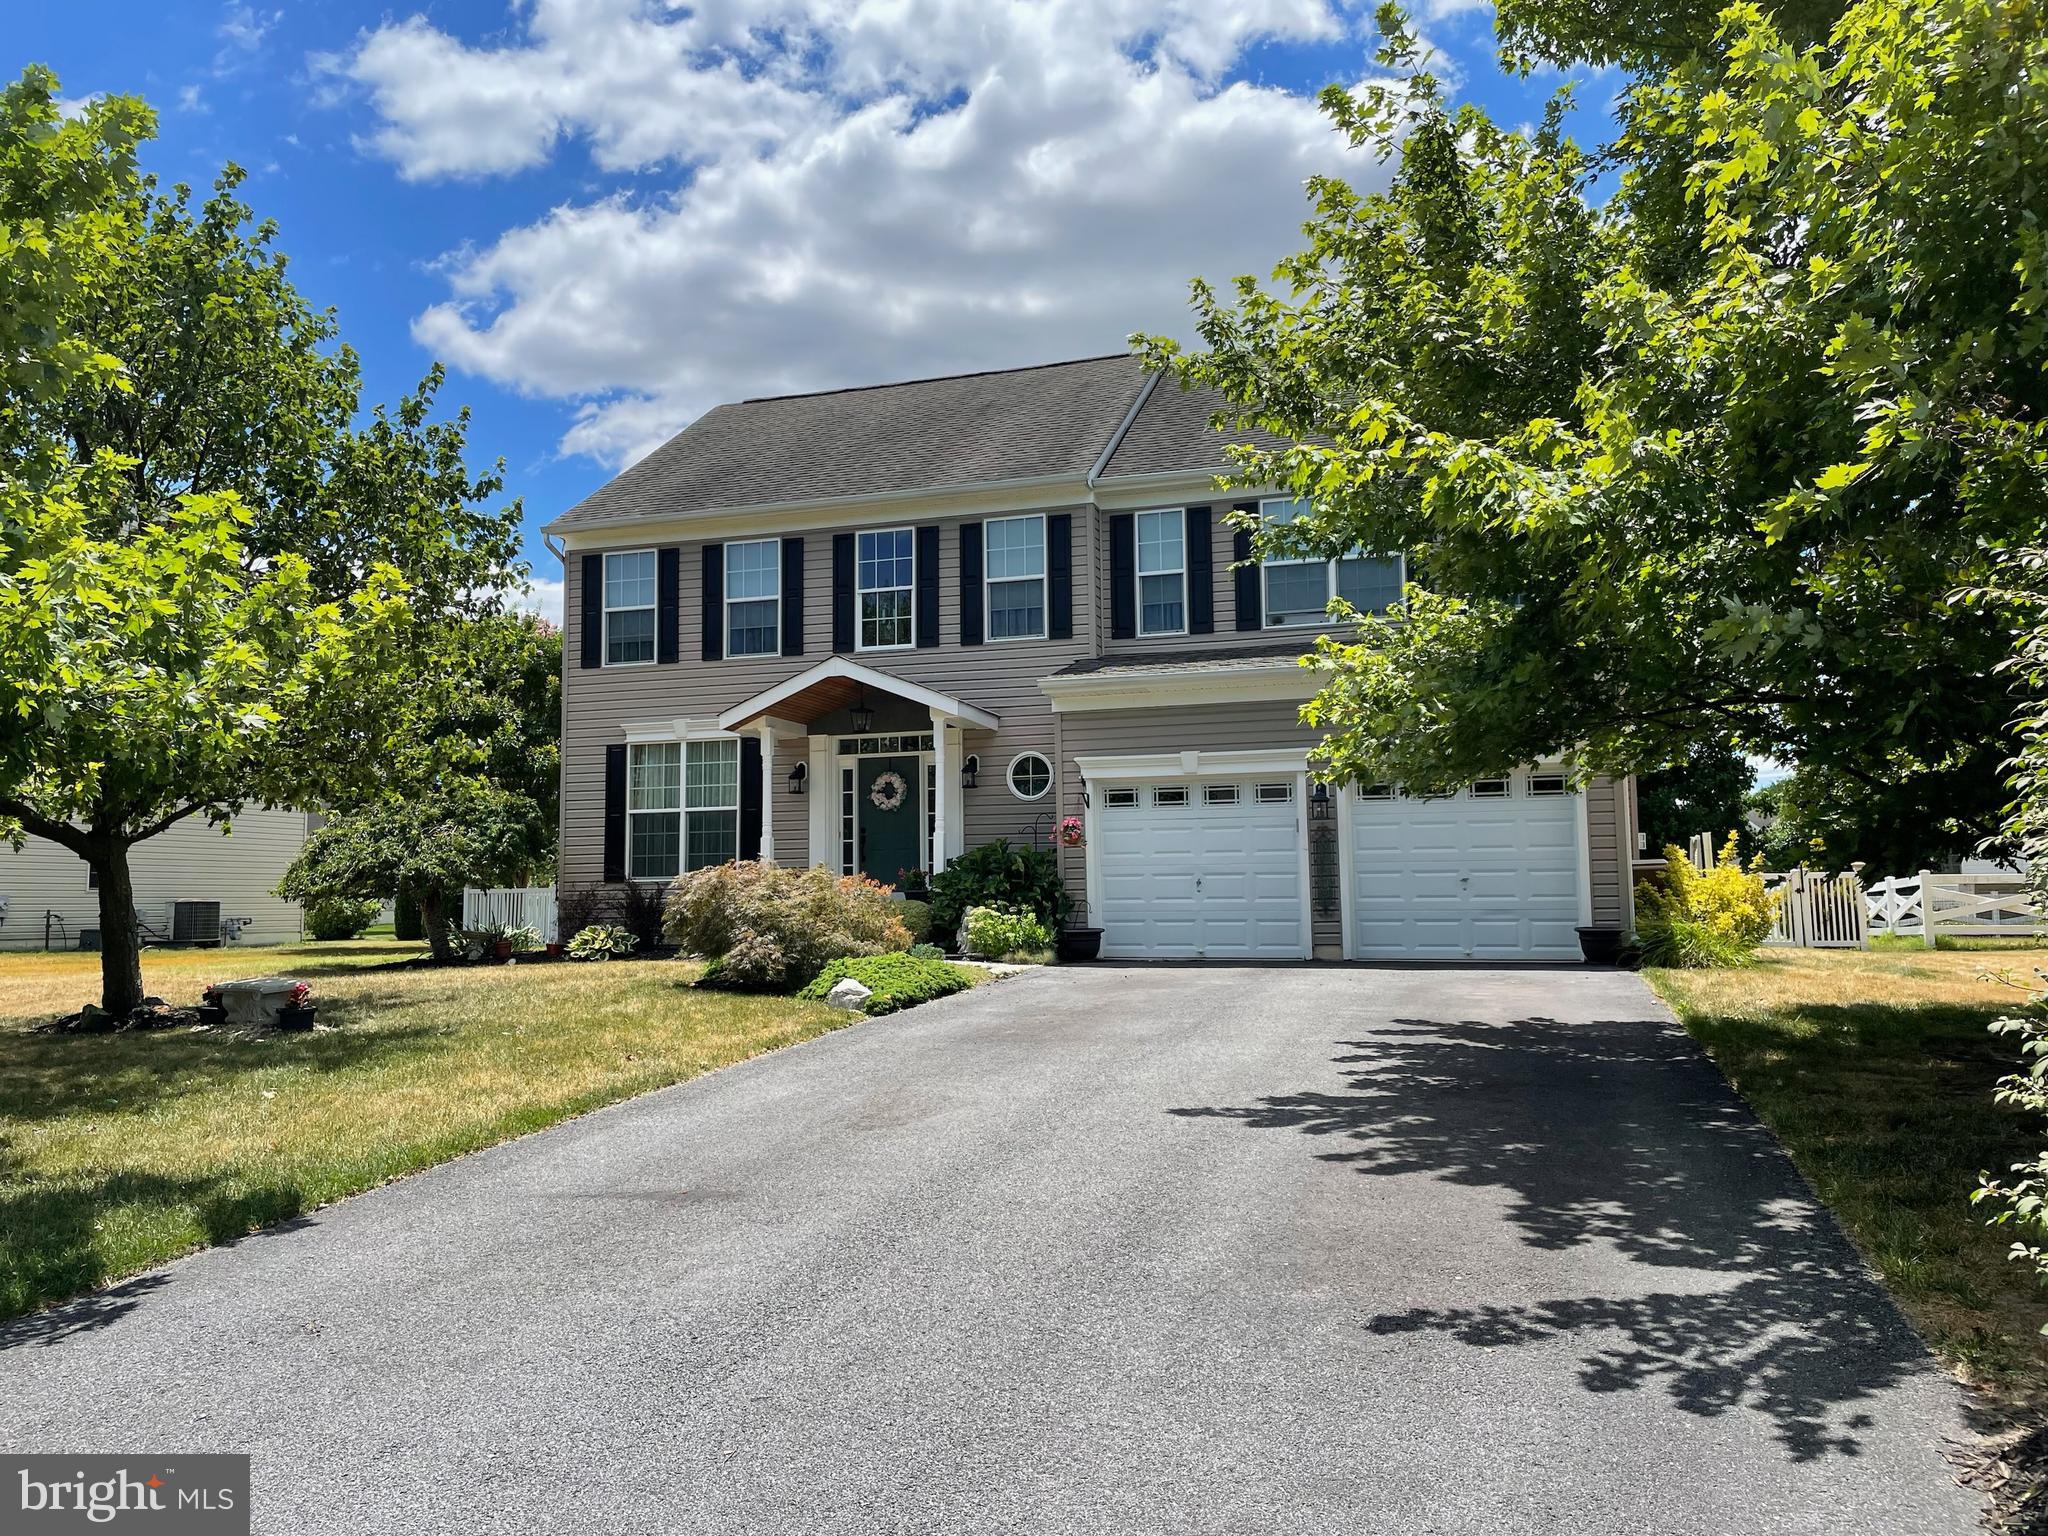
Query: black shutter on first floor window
[
  {"x": 1201, "y": 573},
  {"x": 713, "y": 626},
  {"x": 615, "y": 812},
  {"x": 668, "y": 610},
  {"x": 927, "y": 587},
  {"x": 970, "y": 583},
  {"x": 750, "y": 797},
  {"x": 1123, "y": 576},
  {"x": 592, "y": 598},
  {"x": 1246, "y": 575},
  {"x": 1059, "y": 576},
  {"x": 792, "y": 597},
  {"x": 842, "y": 594}
]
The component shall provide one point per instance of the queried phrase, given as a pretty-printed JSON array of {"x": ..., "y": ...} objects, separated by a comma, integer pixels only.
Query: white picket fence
[
  {"x": 522, "y": 906},
  {"x": 1930, "y": 904},
  {"x": 1819, "y": 911}
]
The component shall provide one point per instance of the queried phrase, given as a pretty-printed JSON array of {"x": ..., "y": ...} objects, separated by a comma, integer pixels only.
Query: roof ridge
[{"x": 934, "y": 378}]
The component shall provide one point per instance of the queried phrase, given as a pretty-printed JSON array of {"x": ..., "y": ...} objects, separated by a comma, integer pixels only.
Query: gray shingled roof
[
  {"x": 1014, "y": 424},
  {"x": 1235, "y": 658},
  {"x": 1172, "y": 432}
]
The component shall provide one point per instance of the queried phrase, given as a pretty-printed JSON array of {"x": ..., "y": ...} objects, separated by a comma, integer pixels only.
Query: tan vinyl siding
[
  {"x": 190, "y": 861},
  {"x": 998, "y": 676}
]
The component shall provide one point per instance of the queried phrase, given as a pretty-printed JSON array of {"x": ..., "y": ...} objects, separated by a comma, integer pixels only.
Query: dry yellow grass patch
[
  {"x": 1876, "y": 1068},
  {"x": 120, "y": 1151}
]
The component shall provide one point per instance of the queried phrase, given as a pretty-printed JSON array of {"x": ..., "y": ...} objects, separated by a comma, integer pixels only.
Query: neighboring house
[
  {"x": 51, "y": 902},
  {"x": 873, "y": 627}
]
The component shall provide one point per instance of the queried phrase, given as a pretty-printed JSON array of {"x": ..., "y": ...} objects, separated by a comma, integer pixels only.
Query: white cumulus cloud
[{"x": 802, "y": 194}]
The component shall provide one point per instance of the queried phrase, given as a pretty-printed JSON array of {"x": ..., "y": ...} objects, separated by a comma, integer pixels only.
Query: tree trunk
[
  {"x": 435, "y": 921},
  {"x": 120, "y": 939}
]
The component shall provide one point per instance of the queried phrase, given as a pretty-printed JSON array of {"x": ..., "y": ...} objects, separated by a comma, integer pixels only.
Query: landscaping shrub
[
  {"x": 998, "y": 931},
  {"x": 999, "y": 874},
  {"x": 601, "y": 941},
  {"x": 916, "y": 917},
  {"x": 339, "y": 917},
  {"x": 927, "y": 952},
  {"x": 1698, "y": 920},
  {"x": 771, "y": 929},
  {"x": 896, "y": 981},
  {"x": 630, "y": 905}
]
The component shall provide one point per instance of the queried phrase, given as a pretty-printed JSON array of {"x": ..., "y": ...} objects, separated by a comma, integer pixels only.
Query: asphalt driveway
[{"x": 1097, "y": 1249}]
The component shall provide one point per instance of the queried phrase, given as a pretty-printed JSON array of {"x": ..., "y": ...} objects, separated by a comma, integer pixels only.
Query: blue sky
[{"x": 608, "y": 215}]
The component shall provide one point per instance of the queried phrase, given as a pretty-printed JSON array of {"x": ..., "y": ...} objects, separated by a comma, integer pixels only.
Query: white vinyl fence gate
[
  {"x": 1817, "y": 911},
  {"x": 1930, "y": 904},
  {"x": 521, "y": 906}
]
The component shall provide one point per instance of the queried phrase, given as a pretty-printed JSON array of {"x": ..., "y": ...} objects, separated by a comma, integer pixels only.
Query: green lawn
[
  {"x": 1875, "y": 1069},
  {"x": 120, "y": 1151}
]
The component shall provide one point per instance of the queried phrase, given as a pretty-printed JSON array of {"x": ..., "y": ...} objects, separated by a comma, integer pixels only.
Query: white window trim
[
  {"x": 859, "y": 591},
  {"x": 1044, "y": 581},
  {"x": 603, "y": 602},
  {"x": 1051, "y": 777},
  {"x": 681, "y": 733},
  {"x": 726, "y": 599},
  {"x": 1265, "y": 564},
  {"x": 1139, "y": 573}
]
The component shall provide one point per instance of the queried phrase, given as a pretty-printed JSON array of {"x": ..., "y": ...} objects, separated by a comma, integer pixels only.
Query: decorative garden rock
[{"x": 848, "y": 994}]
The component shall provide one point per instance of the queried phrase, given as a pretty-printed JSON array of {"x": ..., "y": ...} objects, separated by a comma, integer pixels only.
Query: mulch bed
[{"x": 2010, "y": 1469}]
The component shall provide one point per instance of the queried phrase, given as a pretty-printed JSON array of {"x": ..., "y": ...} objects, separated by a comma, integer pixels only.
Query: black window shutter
[
  {"x": 750, "y": 797},
  {"x": 792, "y": 597},
  {"x": 1247, "y": 576},
  {"x": 668, "y": 612},
  {"x": 714, "y": 602},
  {"x": 927, "y": 587},
  {"x": 615, "y": 812},
  {"x": 970, "y": 583},
  {"x": 593, "y": 610},
  {"x": 1123, "y": 576},
  {"x": 1201, "y": 573},
  {"x": 842, "y": 594},
  {"x": 1059, "y": 576}
]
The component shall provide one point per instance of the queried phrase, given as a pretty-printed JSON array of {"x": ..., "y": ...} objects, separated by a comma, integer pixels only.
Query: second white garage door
[
  {"x": 1491, "y": 873},
  {"x": 1202, "y": 869}
]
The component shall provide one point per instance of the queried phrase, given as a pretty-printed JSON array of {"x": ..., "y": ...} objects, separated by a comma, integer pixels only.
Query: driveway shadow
[{"x": 1621, "y": 1133}]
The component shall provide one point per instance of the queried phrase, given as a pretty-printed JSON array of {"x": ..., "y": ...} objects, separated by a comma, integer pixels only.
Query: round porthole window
[{"x": 1030, "y": 776}]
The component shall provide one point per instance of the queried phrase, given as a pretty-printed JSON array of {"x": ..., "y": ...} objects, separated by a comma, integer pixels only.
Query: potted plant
[
  {"x": 1601, "y": 946},
  {"x": 1080, "y": 943}
]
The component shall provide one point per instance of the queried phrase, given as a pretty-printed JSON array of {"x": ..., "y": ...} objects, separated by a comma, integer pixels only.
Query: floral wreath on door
[{"x": 888, "y": 791}]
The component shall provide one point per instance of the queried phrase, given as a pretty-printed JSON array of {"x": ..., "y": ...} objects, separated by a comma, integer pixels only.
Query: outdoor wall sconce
[
  {"x": 797, "y": 775},
  {"x": 1321, "y": 791},
  {"x": 968, "y": 770}
]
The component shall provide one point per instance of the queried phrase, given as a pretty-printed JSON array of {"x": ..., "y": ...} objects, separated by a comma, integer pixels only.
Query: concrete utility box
[{"x": 264, "y": 1000}]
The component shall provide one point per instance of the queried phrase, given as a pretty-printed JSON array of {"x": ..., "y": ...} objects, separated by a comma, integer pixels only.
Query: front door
[{"x": 889, "y": 810}]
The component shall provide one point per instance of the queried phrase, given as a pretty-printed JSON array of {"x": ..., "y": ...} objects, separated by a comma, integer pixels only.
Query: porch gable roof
[{"x": 836, "y": 682}]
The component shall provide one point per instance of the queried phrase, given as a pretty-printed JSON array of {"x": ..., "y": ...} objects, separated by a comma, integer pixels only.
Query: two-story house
[{"x": 870, "y": 628}]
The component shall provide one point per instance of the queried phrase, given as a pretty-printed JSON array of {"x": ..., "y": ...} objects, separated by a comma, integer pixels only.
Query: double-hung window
[
  {"x": 630, "y": 589},
  {"x": 1162, "y": 573},
  {"x": 753, "y": 598},
  {"x": 682, "y": 806},
  {"x": 886, "y": 563},
  {"x": 1014, "y": 552},
  {"x": 1298, "y": 587}
]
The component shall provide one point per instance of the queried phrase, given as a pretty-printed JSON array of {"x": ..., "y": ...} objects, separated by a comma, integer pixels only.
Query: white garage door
[
  {"x": 1490, "y": 873},
  {"x": 1201, "y": 868}
]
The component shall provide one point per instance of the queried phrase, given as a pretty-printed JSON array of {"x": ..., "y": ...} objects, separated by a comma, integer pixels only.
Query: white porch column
[
  {"x": 945, "y": 803},
  {"x": 767, "y": 734}
]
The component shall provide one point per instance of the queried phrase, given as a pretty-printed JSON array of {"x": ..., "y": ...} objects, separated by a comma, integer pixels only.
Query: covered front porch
[{"x": 878, "y": 760}]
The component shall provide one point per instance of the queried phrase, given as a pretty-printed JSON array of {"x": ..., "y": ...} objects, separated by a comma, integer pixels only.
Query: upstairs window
[
  {"x": 1298, "y": 587},
  {"x": 1162, "y": 573},
  {"x": 1014, "y": 569},
  {"x": 753, "y": 598},
  {"x": 886, "y": 563},
  {"x": 630, "y": 591}
]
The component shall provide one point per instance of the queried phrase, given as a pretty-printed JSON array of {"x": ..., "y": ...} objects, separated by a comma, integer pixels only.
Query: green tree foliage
[
  {"x": 215, "y": 582},
  {"x": 1701, "y": 460},
  {"x": 1706, "y": 792}
]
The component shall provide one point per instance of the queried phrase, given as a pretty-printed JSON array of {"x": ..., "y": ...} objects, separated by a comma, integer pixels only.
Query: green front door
[{"x": 891, "y": 835}]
